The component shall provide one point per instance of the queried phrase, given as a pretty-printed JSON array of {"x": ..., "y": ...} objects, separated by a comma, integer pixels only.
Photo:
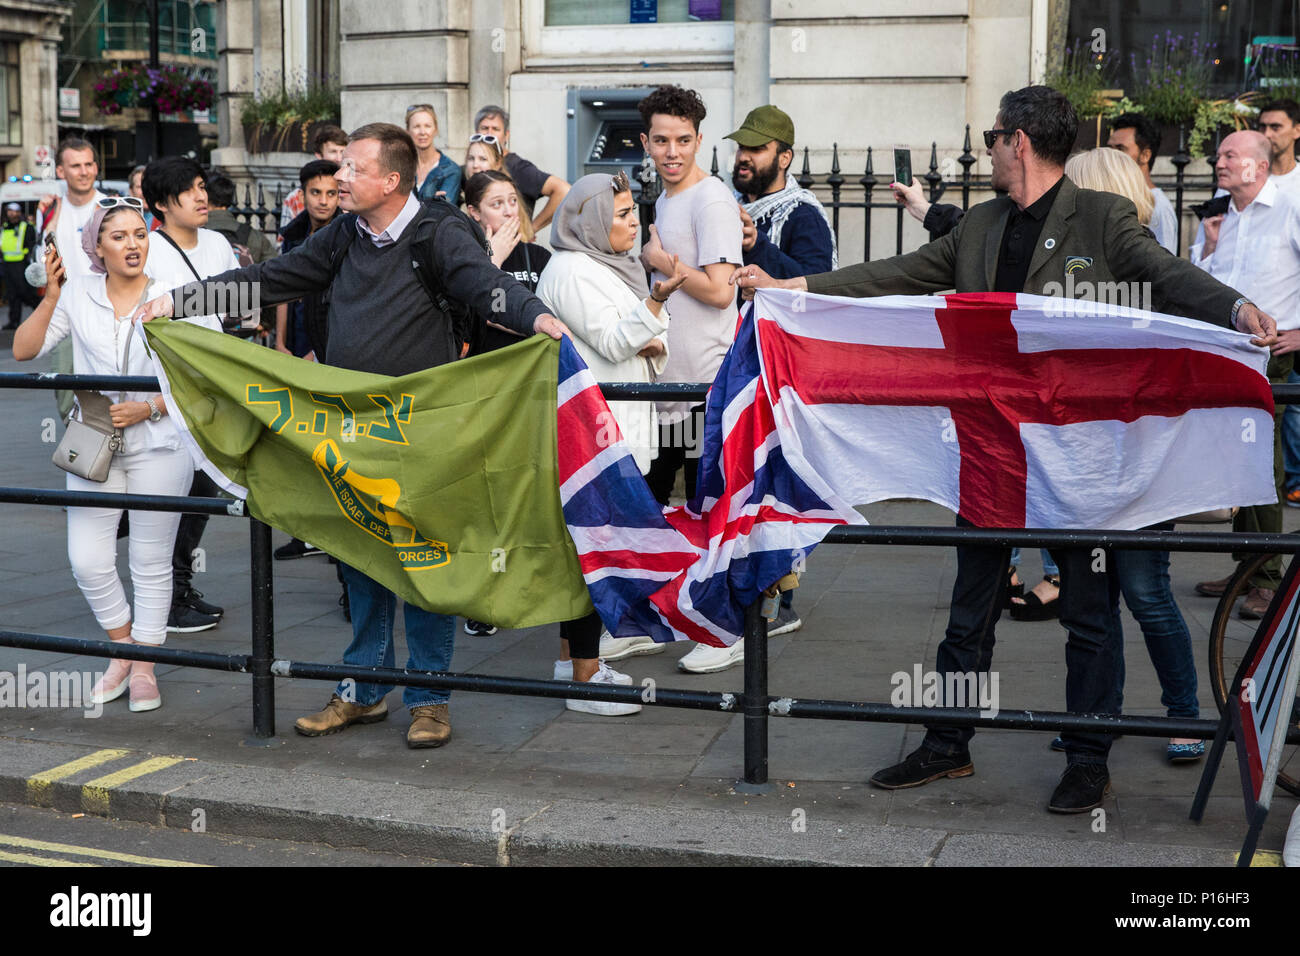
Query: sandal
[
  {"x": 1035, "y": 608},
  {"x": 1013, "y": 590}
]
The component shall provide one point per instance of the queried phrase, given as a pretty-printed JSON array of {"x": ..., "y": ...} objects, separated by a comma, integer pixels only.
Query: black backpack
[{"x": 427, "y": 222}]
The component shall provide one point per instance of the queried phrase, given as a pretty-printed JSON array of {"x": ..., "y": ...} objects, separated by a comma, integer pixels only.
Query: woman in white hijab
[{"x": 619, "y": 325}]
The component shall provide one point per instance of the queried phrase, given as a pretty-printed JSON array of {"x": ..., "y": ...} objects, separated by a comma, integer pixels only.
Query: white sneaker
[
  {"x": 604, "y": 708},
  {"x": 617, "y": 648},
  {"x": 564, "y": 671},
  {"x": 709, "y": 660}
]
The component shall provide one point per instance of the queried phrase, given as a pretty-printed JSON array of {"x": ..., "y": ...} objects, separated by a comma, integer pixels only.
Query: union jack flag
[{"x": 992, "y": 405}]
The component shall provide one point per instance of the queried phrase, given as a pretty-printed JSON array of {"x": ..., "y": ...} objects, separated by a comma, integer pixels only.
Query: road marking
[
  {"x": 94, "y": 795},
  {"x": 1262, "y": 858},
  {"x": 38, "y": 785},
  {"x": 29, "y": 844},
  {"x": 39, "y": 860}
]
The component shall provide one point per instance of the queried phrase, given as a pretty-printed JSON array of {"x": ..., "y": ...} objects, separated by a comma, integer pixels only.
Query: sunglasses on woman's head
[
  {"x": 485, "y": 138},
  {"x": 418, "y": 107},
  {"x": 110, "y": 202}
]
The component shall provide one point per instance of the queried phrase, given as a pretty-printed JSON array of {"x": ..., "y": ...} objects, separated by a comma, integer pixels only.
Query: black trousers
[
  {"x": 1094, "y": 649},
  {"x": 189, "y": 534},
  {"x": 583, "y": 636},
  {"x": 19, "y": 291},
  {"x": 679, "y": 445}
]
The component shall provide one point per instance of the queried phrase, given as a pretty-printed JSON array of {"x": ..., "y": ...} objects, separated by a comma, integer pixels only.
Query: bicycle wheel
[{"x": 1230, "y": 638}]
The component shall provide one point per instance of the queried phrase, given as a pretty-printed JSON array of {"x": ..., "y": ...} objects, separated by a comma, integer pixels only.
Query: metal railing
[{"x": 754, "y": 702}]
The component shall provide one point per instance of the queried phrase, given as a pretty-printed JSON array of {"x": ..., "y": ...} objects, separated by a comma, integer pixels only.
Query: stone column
[{"x": 753, "y": 66}]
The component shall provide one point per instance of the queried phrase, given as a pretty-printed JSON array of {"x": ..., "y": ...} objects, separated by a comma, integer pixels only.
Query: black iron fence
[
  {"x": 753, "y": 701},
  {"x": 868, "y": 193}
]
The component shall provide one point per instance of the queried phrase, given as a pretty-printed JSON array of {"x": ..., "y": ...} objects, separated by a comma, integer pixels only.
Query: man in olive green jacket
[{"x": 1044, "y": 236}]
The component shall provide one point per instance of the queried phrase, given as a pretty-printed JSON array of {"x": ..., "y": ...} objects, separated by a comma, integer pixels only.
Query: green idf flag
[{"x": 441, "y": 485}]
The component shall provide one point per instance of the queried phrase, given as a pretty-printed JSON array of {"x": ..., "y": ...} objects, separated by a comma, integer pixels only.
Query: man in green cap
[{"x": 786, "y": 231}]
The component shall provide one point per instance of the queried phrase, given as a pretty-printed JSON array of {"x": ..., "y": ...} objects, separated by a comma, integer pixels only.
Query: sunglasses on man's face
[{"x": 991, "y": 135}]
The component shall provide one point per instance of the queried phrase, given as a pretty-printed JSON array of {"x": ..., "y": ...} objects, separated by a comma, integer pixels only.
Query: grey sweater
[{"x": 380, "y": 318}]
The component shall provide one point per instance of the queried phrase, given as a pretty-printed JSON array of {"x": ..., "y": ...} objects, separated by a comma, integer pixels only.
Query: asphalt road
[{"x": 48, "y": 838}]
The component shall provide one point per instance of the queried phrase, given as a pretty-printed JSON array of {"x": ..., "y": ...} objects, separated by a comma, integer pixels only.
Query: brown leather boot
[
  {"x": 339, "y": 714},
  {"x": 1256, "y": 603},
  {"x": 430, "y": 726}
]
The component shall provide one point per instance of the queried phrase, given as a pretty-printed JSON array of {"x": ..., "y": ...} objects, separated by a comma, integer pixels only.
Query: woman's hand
[
  {"x": 126, "y": 414},
  {"x": 676, "y": 278},
  {"x": 503, "y": 241},
  {"x": 55, "y": 275},
  {"x": 653, "y": 348},
  {"x": 280, "y": 347},
  {"x": 155, "y": 308}
]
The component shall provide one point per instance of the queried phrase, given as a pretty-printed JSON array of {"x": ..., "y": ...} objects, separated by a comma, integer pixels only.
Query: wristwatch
[
  {"x": 154, "y": 414},
  {"x": 1236, "y": 307}
]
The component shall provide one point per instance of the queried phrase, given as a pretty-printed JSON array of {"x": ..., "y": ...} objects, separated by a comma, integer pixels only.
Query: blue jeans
[
  {"x": 1144, "y": 582},
  {"x": 1049, "y": 566},
  {"x": 1291, "y": 438},
  {"x": 430, "y": 639},
  {"x": 1094, "y": 649}
]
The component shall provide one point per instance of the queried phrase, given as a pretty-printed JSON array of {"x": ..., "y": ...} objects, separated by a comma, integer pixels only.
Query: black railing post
[
  {"x": 868, "y": 183},
  {"x": 967, "y": 160},
  {"x": 263, "y": 630},
  {"x": 713, "y": 169},
  {"x": 755, "y": 712},
  {"x": 1180, "y": 160},
  {"x": 835, "y": 181},
  {"x": 262, "y": 212},
  {"x": 805, "y": 174}
]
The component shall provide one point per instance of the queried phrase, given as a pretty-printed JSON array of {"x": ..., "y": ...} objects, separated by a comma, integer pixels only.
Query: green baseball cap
[{"x": 762, "y": 126}]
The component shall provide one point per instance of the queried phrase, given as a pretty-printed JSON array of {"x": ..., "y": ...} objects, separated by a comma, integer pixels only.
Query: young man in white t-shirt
[
  {"x": 182, "y": 251},
  {"x": 76, "y": 165},
  {"x": 697, "y": 221}
]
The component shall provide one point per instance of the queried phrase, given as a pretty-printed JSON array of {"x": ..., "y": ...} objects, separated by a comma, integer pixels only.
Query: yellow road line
[
  {"x": 38, "y": 785},
  {"x": 94, "y": 795},
  {"x": 1262, "y": 858},
  {"x": 39, "y": 860},
  {"x": 29, "y": 844}
]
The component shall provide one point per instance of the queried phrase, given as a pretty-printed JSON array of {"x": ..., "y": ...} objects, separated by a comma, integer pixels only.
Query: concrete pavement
[{"x": 525, "y": 781}]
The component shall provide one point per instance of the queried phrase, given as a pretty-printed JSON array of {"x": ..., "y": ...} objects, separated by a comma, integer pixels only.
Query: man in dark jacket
[
  {"x": 382, "y": 320},
  {"x": 1020, "y": 242}
]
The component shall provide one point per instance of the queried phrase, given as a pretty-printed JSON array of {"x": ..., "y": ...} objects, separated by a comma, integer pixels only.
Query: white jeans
[{"x": 92, "y": 542}]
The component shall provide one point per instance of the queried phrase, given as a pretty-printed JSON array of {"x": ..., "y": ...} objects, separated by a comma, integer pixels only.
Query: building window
[
  {"x": 11, "y": 121},
  {"x": 571, "y": 13},
  {"x": 1130, "y": 28}
]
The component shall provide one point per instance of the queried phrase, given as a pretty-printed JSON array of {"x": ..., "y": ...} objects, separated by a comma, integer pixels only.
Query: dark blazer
[{"x": 1096, "y": 234}]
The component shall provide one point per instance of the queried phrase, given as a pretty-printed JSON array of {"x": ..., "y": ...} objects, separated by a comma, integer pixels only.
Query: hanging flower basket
[{"x": 172, "y": 89}]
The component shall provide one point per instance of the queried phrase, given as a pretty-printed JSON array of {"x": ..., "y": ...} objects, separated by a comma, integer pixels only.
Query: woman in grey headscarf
[{"x": 599, "y": 290}]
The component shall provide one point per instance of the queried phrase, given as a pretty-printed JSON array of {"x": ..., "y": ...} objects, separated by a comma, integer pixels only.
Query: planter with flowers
[
  {"x": 141, "y": 86},
  {"x": 282, "y": 117}
]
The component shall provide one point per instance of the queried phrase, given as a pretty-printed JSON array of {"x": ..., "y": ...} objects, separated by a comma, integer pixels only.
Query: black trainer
[
  {"x": 296, "y": 549},
  {"x": 479, "y": 628},
  {"x": 921, "y": 766},
  {"x": 192, "y": 598},
  {"x": 1083, "y": 787},
  {"x": 183, "y": 619}
]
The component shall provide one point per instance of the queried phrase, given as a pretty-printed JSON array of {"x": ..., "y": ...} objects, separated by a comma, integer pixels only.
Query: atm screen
[{"x": 618, "y": 141}]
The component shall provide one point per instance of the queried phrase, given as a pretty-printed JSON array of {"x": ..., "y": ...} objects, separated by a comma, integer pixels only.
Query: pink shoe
[
  {"x": 113, "y": 684},
  {"x": 144, "y": 693}
]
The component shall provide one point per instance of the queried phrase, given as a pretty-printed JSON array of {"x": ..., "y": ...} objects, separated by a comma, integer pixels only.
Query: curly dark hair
[{"x": 673, "y": 101}]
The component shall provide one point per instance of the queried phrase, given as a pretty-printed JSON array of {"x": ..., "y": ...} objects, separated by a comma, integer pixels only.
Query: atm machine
[{"x": 604, "y": 130}]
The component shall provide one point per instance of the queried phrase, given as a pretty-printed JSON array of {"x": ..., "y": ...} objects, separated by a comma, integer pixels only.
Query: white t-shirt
[
  {"x": 210, "y": 257},
  {"x": 700, "y": 226},
  {"x": 67, "y": 233},
  {"x": 1288, "y": 182},
  {"x": 1163, "y": 221}
]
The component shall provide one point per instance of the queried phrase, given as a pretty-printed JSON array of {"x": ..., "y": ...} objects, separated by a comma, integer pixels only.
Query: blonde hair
[
  {"x": 421, "y": 108},
  {"x": 1112, "y": 171},
  {"x": 494, "y": 154}
]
